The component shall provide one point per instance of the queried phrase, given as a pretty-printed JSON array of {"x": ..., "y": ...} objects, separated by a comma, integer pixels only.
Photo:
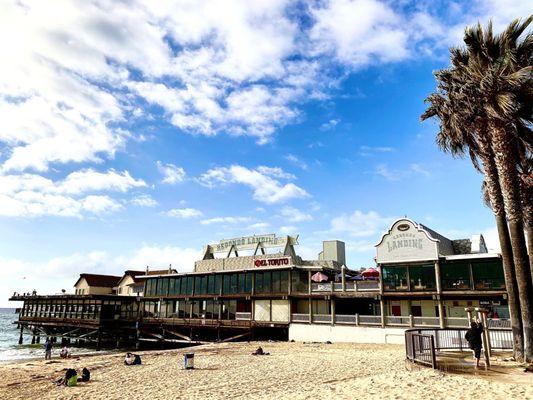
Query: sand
[{"x": 292, "y": 371}]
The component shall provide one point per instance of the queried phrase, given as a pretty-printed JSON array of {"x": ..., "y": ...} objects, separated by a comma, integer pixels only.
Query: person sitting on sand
[
  {"x": 260, "y": 352},
  {"x": 473, "y": 337},
  {"x": 65, "y": 352},
  {"x": 85, "y": 375},
  {"x": 70, "y": 379},
  {"x": 129, "y": 359}
]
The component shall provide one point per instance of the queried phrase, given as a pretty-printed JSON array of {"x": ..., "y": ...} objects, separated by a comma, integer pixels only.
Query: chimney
[
  {"x": 169, "y": 268},
  {"x": 147, "y": 269}
]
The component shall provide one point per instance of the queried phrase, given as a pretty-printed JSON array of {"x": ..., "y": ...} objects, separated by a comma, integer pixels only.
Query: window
[
  {"x": 234, "y": 283},
  {"x": 455, "y": 276},
  {"x": 227, "y": 284},
  {"x": 267, "y": 282},
  {"x": 258, "y": 282},
  {"x": 248, "y": 283},
  {"x": 284, "y": 281},
  {"x": 395, "y": 278},
  {"x": 276, "y": 281},
  {"x": 488, "y": 275},
  {"x": 218, "y": 283},
  {"x": 163, "y": 286},
  {"x": 190, "y": 285},
  {"x": 422, "y": 277},
  {"x": 211, "y": 284}
]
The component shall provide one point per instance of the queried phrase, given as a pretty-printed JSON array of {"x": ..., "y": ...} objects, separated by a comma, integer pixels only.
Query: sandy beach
[{"x": 229, "y": 371}]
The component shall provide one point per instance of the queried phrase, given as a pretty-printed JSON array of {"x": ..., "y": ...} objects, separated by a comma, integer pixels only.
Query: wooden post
[
  {"x": 21, "y": 338},
  {"x": 469, "y": 314},
  {"x": 356, "y": 319},
  {"x": 289, "y": 284},
  {"x": 310, "y": 311},
  {"x": 482, "y": 316},
  {"x": 343, "y": 278},
  {"x": 382, "y": 310},
  {"x": 309, "y": 281},
  {"x": 411, "y": 320},
  {"x": 332, "y": 308},
  {"x": 440, "y": 304},
  {"x": 98, "y": 340}
]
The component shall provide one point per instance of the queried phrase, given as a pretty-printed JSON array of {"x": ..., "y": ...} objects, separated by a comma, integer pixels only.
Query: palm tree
[
  {"x": 461, "y": 131},
  {"x": 500, "y": 83}
]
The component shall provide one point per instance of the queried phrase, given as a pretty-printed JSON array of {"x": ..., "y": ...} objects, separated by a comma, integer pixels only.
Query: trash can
[{"x": 188, "y": 361}]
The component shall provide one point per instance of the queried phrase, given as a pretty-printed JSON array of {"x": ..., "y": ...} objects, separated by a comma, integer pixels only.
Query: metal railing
[
  {"x": 357, "y": 286},
  {"x": 420, "y": 348},
  {"x": 448, "y": 339},
  {"x": 499, "y": 323},
  {"x": 392, "y": 320},
  {"x": 370, "y": 319},
  {"x": 300, "y": 317},
  {"x": 243, "y": 316},
  {"x": 346, "y": 319},
  {"x": 322, "y": 318},
  {"x": 426, "y": 321}
]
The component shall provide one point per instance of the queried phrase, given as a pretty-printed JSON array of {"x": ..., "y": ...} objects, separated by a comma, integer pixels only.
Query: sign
[
  {"x": 406, "y": 241},
  {"x": 269, "y": 262},
  {"x": 250, "y": 242}
]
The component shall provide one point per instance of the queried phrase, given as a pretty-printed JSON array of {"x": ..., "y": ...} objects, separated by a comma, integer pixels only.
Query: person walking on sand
[
  {"x": 48, "y": 349},
  {"x": 473, "y": 337}
]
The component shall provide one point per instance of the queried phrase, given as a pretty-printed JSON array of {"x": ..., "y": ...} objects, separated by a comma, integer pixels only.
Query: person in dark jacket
[
  {"x": 48, "y": 349},
  {"x": 473, "y": 337}
]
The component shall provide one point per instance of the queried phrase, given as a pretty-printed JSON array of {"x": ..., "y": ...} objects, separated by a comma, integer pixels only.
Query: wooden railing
[{"x": 354, "y": 286}]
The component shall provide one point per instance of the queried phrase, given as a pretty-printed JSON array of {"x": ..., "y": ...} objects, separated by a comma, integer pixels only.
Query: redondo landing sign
[
  {"x": 406, "y": 241},
  {"x": 251, "y": 242}
]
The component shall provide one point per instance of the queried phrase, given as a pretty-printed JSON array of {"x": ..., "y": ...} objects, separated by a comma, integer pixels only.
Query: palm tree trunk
[
  {"x": 497, "y": 206},
  {"x": 509, "y": 182}
]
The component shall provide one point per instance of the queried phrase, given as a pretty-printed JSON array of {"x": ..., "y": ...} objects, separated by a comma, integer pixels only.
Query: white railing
[
  {"x": 243, "y": 316},
  {"x": 321, "y": 287},
  {"x": 346, "y": 319},
  {"x": 300, "y": 317},
  {"x": 499, "y": 323},
  {"x": 358, "y": 286},
  {"x": 367, "y": 285},
  {"x": 456, "y": 322},
  {"x": 426, "y": 321},
  {"x": 322, "y": 318},
  {"x": 370, "y": 319},
  {"x": 393, "y": 320}
]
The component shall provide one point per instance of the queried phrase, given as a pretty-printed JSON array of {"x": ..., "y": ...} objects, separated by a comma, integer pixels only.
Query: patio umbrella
[
  {"x": 319, "y": 277},
  {"x": 356, "y": 278},
  {"x": 370, "y": 273}
]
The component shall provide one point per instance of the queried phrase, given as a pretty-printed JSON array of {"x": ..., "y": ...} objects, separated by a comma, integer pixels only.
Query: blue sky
[{"x": 134, "y": 134}]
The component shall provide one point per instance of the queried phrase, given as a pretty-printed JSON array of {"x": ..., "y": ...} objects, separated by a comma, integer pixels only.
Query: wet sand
[{"x": 291, "y": 371}]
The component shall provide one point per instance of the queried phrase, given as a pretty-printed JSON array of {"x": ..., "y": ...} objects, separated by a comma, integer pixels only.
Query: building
[
  {"x": 131, "y": 285},
  {"x": 258, "y": 286},
  {"x": 96, "y": 284},
  {"x": 427, "y": 275}
]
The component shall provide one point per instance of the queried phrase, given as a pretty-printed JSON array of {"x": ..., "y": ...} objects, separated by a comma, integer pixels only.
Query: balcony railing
[
  {"x": 393, "y": 320},
  {"x": 300, "y": 317},
  {"x": 322, "y": 318},
  {"x": 426, "y": 321},
  {"x": 243, "y": 316},
  {"x": 356, "y": 286}
]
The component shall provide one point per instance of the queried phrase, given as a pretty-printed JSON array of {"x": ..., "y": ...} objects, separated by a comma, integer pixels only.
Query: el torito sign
[{"x": 270, "y": 262}]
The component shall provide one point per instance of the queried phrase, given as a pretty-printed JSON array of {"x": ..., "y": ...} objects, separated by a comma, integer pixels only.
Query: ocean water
[{"x": 9, "y": 338}]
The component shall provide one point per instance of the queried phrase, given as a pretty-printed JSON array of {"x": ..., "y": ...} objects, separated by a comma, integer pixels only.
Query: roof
[{"x": 100, "y": 280}]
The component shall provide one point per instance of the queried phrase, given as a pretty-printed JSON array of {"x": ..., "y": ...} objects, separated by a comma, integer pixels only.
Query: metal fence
[
  {"x": 420, "y": 348},
  {"x": 448, "y": 339}
]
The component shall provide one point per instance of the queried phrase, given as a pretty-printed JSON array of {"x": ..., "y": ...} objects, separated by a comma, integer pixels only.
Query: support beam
[
  {"x": 236, "y": 337},
  {"x": 185, "y": 337},
  {"x": 382, "y": 310}
]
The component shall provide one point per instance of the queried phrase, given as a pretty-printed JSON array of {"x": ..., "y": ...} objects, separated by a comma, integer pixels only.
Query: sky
[{"x": 135, "y": 132}]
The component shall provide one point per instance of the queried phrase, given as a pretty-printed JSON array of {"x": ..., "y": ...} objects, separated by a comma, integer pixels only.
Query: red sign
[{"x": 271, "y": 262}]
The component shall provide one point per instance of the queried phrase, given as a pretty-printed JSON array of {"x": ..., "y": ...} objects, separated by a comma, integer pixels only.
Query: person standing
[
  {"x": 48, "y": 349},
  {"x": 473, "y": 337}
]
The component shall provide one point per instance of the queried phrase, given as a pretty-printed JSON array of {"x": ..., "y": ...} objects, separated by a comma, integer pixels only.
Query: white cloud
[
  {"x": 226, "y": 220},
  {"x": 266, "y": 189},
  {"x": 171, "y": 173},
  {"x": 371, "y": 150},
  {"x": 30, "y": 195},
  {"x": 384, "y": 171},
  {"x": 360, "y": 224},
  {"x": 327, "y": 126},
  {"x": 297, "y": 161},
  {"x": 417, "y": 168},
  {"x": 293, "y": 215},
  {"x": 288, "y": 230},
  {"x": 184, "y": 213},
  {"x": 259, "y": 226},
  {"x": 359, "y": 32},
  {"x": 144, "y": 200},
  {"x": 398, "y": 174},
  {"x": 50, "y": 276}
]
